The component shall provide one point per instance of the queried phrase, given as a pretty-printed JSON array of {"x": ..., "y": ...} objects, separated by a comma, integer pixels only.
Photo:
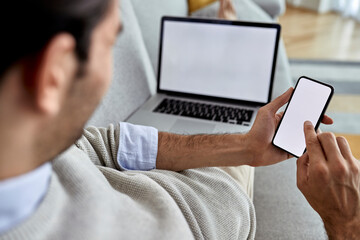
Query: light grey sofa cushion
[
  {"x": 133, "y": 76},
  {"x": 282, "y": 212},
  {"x": 247, "y": 10},
  {"x": 149, "y": 14},
  {"x": 274, "y": 8}
]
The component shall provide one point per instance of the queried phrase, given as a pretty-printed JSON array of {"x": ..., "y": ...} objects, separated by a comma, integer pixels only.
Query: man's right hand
[{"x": 329, "y": 177}]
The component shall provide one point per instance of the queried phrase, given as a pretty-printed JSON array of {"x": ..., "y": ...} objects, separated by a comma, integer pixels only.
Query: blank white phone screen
[{"x": 307, "y": 103}]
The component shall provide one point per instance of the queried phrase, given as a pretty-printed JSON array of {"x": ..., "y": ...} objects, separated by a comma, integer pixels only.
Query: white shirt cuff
[{"x": 138, "y": 147}]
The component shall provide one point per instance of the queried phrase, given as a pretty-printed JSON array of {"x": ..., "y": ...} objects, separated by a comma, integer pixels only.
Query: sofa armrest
[{"x": 274, "y": 8}]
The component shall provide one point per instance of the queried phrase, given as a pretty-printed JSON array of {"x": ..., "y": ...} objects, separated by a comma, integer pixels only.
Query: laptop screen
[{"x": 221, "y": 59}]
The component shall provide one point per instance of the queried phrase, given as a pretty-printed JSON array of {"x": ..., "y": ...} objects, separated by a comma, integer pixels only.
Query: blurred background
[
  {"x": 322, "y": 40},
  {"x": 322, "y": 29}
]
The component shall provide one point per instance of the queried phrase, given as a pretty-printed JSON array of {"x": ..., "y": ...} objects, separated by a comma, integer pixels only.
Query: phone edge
[{"x": 321, "y": 115}]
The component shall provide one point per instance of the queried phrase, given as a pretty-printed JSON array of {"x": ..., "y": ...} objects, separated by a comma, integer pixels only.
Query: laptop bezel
[{"x": 223, "y": 22}]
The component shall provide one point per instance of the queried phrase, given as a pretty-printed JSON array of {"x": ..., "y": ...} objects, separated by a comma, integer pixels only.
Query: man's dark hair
[{"x": 28, "y": 25}]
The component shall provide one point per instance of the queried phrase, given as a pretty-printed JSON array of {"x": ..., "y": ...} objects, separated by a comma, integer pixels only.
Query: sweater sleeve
[
  {"x": 101, "y": 145},
  {"x": 124, "y": 146}
]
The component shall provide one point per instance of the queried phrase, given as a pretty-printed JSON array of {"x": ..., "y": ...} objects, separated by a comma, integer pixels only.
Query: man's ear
[{"x": 56, "y": 69}]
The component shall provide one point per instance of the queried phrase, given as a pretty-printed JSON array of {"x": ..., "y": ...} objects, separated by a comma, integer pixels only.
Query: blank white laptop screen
[{"x": 217, "y": 60}]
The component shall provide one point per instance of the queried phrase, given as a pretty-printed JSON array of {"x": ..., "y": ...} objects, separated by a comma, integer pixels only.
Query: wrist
[
  {"x": 251, "y": 150},
  {"x": 231, "y": 150},
  {"x": 243, "y": 152},
  {"x": 343, "y": 230}
]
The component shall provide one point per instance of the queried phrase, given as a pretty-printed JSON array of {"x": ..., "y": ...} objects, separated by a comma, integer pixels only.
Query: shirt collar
[{"x": 20, "y": 196}]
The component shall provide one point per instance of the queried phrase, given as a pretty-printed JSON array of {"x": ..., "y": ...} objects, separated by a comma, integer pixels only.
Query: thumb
[{"x": 280, "y": 101}]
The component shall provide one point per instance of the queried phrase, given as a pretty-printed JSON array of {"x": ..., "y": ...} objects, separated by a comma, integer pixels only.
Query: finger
[
  {"x": 280, "y": 101},
  {"x": 313, "y": 145},
  {"x": 344, "y": 148},
  {"x": 327, "y": 120},
  {"x": 318, "y": 131},
  {"x": 278, "y": 116},
  {"x": 330, "y": 146},
  {"x": 302, "y": 170}
]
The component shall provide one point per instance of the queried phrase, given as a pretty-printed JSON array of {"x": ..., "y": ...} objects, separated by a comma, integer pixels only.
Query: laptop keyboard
[{"x": 211, "y": 112}]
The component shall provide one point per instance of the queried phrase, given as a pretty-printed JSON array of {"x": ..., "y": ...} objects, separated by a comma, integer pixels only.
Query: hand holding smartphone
[{"x": 307, "y": 103}]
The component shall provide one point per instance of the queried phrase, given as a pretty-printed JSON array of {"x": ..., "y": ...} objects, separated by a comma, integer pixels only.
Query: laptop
[{"x": 213, "y": 76}]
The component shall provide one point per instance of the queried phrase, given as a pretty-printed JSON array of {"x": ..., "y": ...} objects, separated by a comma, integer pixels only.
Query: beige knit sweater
[{"x": 90, "y": 197}]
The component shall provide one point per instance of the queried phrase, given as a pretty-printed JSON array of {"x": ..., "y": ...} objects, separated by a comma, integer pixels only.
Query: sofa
[
  {"x": 282, "y": 212},
  {"x": 272, "y": 7}
]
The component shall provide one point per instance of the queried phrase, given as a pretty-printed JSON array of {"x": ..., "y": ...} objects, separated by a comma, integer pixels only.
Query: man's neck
[
  {"x": 16, "y": 155},
  {"x": 27, "y": 134},
  {"x": 18, "y": 150},
  {"x": 18, "y": 130}
]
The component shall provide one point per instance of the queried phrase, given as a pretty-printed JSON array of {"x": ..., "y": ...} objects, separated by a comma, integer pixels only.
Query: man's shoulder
[{"x": 74, "y": 161}]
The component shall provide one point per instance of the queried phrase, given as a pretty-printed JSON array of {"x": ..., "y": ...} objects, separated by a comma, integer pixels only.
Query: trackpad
[{"x": 182, "y": 126}]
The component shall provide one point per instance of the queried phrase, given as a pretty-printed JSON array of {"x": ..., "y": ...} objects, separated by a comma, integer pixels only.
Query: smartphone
[{"x": 308, "y": 102}]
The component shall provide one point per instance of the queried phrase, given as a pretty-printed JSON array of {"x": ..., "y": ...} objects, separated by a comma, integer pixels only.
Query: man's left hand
[{"x": 262, "y": 132}]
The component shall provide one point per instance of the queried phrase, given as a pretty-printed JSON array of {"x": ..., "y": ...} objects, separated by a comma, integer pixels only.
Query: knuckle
[
  {"x": 309, "y": 128},
  {"x": 340, "y": 138},
  {"x": 340, "y": 171},
  {"x": 355, "y": 168},
  {"x": 311, "y": 141},
  {"x": 326, "y": 135},
  {"x": 262, "y": 110},
  {"x": 322, "y": 171}
]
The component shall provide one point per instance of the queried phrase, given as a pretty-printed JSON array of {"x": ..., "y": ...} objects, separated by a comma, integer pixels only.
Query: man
[{"x": 50, "y": 87}]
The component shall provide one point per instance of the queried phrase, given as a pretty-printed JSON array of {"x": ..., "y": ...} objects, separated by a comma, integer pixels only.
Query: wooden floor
[
  {"x": 309, "y": 35},
  {"x": 354, "y": 142}
]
